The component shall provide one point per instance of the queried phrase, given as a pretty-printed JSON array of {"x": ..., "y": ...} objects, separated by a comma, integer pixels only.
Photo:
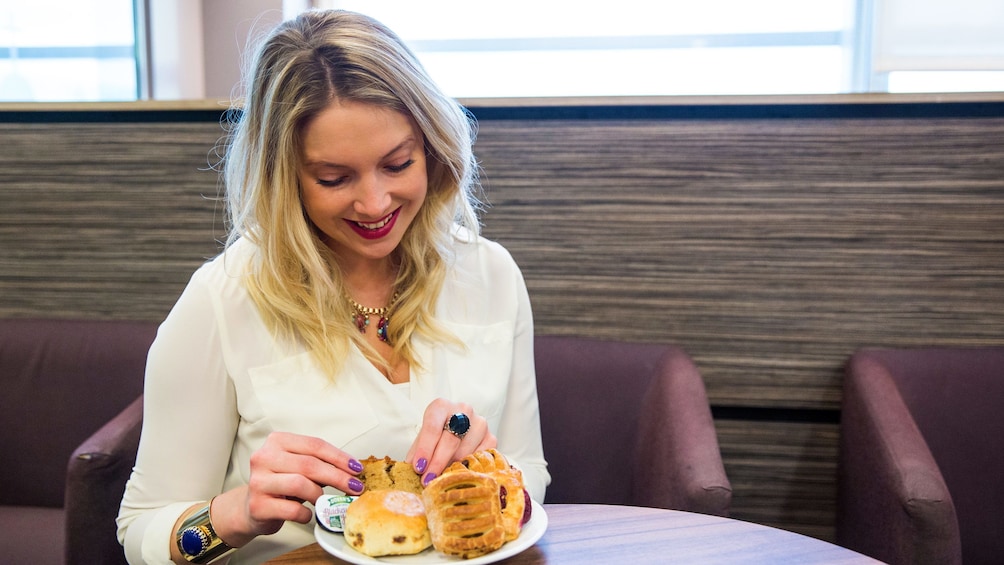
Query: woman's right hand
[{"x": 288, "y": 470}]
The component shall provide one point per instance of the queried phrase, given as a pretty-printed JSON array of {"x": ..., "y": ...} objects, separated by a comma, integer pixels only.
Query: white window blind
[
  {"x": 939, "y": 35},
  {"x": 630, "y": 47}
]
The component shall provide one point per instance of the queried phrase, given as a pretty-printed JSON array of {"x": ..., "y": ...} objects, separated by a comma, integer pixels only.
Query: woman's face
[{"x": 362, "y": 178}]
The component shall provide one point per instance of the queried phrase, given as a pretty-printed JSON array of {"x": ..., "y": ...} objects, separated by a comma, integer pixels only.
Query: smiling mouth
[
  {"x": 375, "y": 230},
  {"x": 378, "y": 224}
]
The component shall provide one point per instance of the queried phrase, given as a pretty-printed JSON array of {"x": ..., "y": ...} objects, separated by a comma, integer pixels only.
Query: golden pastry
[
  {"x": 387, "y": 522},
  {"x": 464, "y": 513}
]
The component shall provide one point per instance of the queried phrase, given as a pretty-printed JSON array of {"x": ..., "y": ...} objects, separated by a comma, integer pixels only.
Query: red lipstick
[{"x": 377, "y": 229}]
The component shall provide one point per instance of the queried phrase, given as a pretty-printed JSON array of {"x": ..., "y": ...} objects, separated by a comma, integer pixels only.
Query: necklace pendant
[
  {"x": 361, "y": 322},
  {"x": 382, "y": 328},
  {"x": 361, "y": 317}
]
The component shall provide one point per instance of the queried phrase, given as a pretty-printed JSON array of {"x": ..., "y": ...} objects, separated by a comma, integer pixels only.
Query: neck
[{"x": 370, "y": 283}]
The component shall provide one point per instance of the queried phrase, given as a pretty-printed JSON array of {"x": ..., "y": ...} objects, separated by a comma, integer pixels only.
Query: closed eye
[
  {"x": 401, "y": 167},
  {"x": 331, "y": 183}
]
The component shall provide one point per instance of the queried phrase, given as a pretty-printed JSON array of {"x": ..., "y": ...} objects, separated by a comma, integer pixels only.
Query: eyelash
[
  {"x": 401, "y": 167},
  {"x": 392, "y": 168},
  {"x": 331, "y": 183}
]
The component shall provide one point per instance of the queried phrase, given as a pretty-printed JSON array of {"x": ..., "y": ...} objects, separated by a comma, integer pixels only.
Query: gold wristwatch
[{"x": 197, "y": 540}]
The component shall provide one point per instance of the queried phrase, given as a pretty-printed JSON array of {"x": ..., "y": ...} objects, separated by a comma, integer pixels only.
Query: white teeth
[{"x": 377, "y": 225}]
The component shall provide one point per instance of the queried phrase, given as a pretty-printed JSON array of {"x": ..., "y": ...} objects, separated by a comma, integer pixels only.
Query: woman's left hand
[{"x": 436, "y": 447}]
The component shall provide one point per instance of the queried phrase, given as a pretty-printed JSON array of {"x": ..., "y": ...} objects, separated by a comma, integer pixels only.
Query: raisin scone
[{"x": 387, "y": 522}]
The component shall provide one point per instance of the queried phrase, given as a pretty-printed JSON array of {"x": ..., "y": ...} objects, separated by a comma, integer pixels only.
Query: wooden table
[{"x": 580, "y": 534}]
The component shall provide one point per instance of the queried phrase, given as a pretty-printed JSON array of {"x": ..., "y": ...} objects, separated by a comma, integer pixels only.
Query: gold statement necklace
[{"x": 361, "y": 316}]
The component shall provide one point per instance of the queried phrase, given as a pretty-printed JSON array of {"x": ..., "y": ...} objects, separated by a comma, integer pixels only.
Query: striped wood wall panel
[
  {"x": 104, "y": 220},
  {"x": 769, "y": 248}
]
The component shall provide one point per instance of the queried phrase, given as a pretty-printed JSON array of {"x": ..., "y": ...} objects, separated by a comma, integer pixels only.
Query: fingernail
[
  {"x": 355, "y": 485},
  {"x": 355, "y": 466},
  {"x": 420, "y": 465},
  {"x": 428, "y": 479}
]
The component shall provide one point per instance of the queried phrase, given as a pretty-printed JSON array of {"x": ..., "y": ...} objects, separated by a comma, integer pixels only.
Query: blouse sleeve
[
  {"x": 189, "y": 422},
  {"x": 519, "y": 430}
]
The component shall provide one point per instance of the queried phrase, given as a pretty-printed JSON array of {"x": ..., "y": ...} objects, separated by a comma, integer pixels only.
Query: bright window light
[
  {"x": 69, "y": 50},
  {"x": 639, "y": 72},
  {"x": 87, "y": 50},
  {"x": 946, "y": 81},
  {"x": 524, "y": 48}
]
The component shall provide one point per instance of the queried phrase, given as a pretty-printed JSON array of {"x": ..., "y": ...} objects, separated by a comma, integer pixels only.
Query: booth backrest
[
  {"x": 956, "y": 398},
  {"x": 627, "y": 423},
  {"x": 61, "y": 381}
]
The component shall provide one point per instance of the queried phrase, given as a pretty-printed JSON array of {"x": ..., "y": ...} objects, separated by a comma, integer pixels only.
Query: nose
[{"x": 372, "y": 198}]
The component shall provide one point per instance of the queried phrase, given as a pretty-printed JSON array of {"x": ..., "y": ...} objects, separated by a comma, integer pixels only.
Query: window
[
  {"x": 938, "y": 46},
  {"x": 79, "y": 50},
  {"x": 945, "y": 81},
  {"x": 83, "y": 50},
  {"x": 629, "y": 47}
]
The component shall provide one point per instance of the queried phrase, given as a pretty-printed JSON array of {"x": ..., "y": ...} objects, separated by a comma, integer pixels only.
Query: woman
[{"x": 355, "y": 311}]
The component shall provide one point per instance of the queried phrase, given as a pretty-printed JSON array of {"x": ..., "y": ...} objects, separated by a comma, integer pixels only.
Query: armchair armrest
[
  {"x": 95, "y": 482},
  {"x": 680, "y": 454},
  {"x": 890, "y": 487}
]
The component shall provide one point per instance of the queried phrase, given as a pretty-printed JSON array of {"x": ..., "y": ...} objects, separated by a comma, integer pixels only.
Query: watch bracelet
[{"x": 201, "y": 521}]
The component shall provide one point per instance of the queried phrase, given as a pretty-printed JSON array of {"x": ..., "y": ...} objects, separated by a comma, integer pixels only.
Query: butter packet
[{"x": 329, "y": 509}]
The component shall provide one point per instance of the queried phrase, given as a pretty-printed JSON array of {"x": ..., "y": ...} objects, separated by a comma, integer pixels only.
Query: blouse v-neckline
[{"x": 373, "y": 372}]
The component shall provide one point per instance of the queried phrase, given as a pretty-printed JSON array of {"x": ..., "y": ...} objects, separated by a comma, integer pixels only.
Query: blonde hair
[{"x": 301, "y": 68}]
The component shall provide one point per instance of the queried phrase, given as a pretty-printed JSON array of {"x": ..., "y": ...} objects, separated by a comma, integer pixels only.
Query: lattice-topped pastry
[
  {"x": 464, "y": 513},
  {"x": 513, "y": 498},
  {"x": 484, "y": 461}
]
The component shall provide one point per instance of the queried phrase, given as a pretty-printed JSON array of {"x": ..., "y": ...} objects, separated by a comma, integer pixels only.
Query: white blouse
[{"x": 217, "y": 384}]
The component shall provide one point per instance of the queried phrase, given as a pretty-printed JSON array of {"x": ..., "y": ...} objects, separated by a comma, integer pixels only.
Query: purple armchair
[
  {"x": 921, "y": 455},
  {"x": 628, "y": 423},
  {"x": 63, "y": 380}
]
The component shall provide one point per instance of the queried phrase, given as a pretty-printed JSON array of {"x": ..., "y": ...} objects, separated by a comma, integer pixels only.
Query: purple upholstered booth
[
  {"x": 922, "y": 455},
  {"x": 628, "y": 423},
  {"x": 62, "y": 381},
  {"x": 622, "y": 423}
]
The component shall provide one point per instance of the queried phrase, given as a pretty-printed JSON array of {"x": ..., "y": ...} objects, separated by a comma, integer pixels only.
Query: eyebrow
[{"x": 398, "y": 147}]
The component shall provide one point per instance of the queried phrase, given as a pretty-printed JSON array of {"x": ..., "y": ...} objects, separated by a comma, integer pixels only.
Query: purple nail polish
[
  {"x": 355, "y": 466},
  {"x": 355, "y": 485},
  {"x": 428, "y": 479},
  {"x": 420, "y": 465}
]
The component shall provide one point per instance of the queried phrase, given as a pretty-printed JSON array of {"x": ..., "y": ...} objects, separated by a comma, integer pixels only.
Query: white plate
[{"x": 532, "y": 531}]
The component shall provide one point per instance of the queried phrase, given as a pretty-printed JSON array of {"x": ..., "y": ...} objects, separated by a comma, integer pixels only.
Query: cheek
[
  {"x": 421, "y": 191},
  {"x": 320, "y": 207},
  {"x": 420, "y": 186},
  {"x": 309, "y": 202}
]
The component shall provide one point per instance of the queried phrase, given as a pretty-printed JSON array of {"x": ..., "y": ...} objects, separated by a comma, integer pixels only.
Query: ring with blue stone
[{"x": 458, "y": 424}]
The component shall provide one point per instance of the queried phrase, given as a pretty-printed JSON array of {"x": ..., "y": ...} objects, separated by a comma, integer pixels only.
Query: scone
[
  {"x": 512, "y": 495},
  {"x": 388, "y": 474},
  {"x": 464, "y": 514},
  {"x": 387, "y": 522}
]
